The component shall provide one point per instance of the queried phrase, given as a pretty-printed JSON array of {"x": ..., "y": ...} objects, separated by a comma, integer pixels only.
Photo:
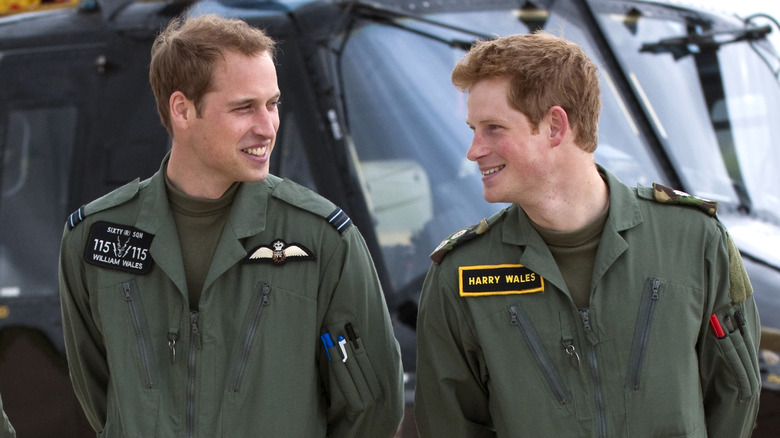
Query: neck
[
  {"x": 571, "y": 202},
  {"x": 185, "y": 177}
]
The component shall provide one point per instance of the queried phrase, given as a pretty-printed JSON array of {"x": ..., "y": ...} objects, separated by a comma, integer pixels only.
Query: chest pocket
[{"x": 132, "y": 359}]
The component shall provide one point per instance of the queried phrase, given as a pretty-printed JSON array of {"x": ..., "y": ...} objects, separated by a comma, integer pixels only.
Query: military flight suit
[
  {"x": 288, "y": 269},
  {"x": 6, "y": 430},
  {"x": 503, "y": 351}
]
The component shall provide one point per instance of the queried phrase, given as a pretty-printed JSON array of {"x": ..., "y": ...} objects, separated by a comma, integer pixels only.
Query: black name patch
[
  {"x": 117, "y": 246},
  {"x": 477, "y": 281}
]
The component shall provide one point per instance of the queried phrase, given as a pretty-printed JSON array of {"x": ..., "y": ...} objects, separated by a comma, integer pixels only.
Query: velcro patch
[
  {"x": 477, "y": 281},
  {"x": 120, "y": 247}
]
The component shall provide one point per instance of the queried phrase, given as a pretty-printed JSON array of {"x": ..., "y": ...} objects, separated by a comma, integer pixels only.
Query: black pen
[
  {"x": 729, "y": 324},
  {"x": 740, "y": 321},
  {"x": 351, "y": 335}
]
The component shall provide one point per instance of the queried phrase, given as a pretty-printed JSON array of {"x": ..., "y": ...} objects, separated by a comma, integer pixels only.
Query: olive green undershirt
[
  {"x": 199, "y": 222},
  {"x": 575, "y": 254}
]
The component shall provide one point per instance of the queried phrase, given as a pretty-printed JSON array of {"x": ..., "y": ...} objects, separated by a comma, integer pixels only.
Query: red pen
[{"x": 716, "y": 327}]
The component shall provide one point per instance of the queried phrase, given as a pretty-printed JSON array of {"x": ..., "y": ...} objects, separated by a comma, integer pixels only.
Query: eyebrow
[{"x": 247, "y": 100}]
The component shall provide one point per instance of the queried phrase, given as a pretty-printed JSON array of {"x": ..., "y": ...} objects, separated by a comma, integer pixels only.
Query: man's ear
[
  {"x": 559, "y": 124},
  {"x": 181, "y": 109}
]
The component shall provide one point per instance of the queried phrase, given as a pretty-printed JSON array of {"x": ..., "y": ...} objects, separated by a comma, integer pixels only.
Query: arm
[
  {"x": 451, "y": 398},
  {"x": 729, "y": 366},
  {"x": 6, "y": 430},
  {"x": 366, "y": 391},
  {"x": 83, "y": 342}
]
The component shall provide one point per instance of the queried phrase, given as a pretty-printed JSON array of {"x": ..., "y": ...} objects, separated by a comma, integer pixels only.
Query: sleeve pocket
[
  {"x": 355, "y": 377},
  {"x": 738, "y": 358}
]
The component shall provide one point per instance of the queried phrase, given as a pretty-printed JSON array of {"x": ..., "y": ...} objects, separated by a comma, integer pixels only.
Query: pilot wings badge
[{"x": 279, "y": 253}]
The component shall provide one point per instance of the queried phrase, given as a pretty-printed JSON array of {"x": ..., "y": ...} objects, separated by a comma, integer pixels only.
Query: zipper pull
[
  {"x": 656, "y": 286},
  {"x": 173, "y": 336},
  {"x": 585, "y": 315},
  {"x": 266, "y": 291},
  {"x": 513, "y": 312},
  {"x": 195, "y": 330}
]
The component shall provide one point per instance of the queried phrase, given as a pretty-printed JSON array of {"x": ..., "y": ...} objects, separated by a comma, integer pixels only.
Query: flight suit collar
[
  {"x": 624, "y": 213},
  {"x": 247, "y": 215},
  {"x": 247, "y": 218}
]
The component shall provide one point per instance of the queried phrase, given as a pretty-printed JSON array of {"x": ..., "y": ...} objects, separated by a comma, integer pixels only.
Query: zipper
[
  {"x": 143, "y": 345},
  {"x": 249, "y": 337},
  {"x": 642, "y": 333},
  {"x": 521, "y": 320},
  {"x": 195, "y": 344},
  {"x": 601, "y": 419}
]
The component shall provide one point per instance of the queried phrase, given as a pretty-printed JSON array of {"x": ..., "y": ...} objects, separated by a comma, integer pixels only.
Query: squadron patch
[
  {"x": 120, "y": 247},
  {"x": 279, "y": 253},
  {"x": 484, "y": 280}
]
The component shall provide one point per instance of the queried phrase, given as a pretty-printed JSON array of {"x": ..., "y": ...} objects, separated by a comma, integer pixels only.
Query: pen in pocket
[
  {"x": 327, "y": 341},
  {"x": 716, "y": 327}
]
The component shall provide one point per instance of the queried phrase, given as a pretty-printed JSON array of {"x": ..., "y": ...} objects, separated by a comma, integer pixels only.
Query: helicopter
[{"x": 371, "y": 121}]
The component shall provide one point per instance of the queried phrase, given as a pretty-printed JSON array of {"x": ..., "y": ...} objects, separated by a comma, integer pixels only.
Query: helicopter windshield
[{"x": 683, "y": 71}]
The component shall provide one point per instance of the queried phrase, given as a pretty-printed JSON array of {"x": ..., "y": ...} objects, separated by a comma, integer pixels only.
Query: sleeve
[
  {"x": 731, "y": 381},
  {"x": 83, "y": 342},
  {"x": 364, "y": 389},
  {"x": 451, "y": 398},
  {"x": 6, "y": 430}
]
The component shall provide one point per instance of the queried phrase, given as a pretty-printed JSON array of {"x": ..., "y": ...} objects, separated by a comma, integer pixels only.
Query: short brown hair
[
  {"x": 185, "y": 54},
  {"x": 544, "y": 70}
]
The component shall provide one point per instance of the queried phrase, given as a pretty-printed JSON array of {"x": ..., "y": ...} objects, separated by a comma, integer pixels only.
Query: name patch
[
  {"x": 477, "y": 281},
  {"x": 120, "y": 247}
]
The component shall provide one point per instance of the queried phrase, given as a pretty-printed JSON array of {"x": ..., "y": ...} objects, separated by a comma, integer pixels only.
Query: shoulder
[
  {"x": 464, "y": 235},
  {"x": 661, "y": 194},
  {"x": 115, "y": 198},
  {"x": 294, "y": 194}
]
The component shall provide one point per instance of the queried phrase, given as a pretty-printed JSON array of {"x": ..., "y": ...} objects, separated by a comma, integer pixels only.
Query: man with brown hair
[
  {"x": 586, "y": 308},
  {"x": 207, "y": 300}
]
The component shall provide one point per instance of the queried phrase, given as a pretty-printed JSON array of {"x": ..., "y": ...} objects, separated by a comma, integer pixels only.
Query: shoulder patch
[
  {"x": 112, "y": 199},
  {"x": 668, "y": 195},
  {"x": 304, "y": 198},
  {"x": 120, "y": 247},
  {"x": 464, "y": 235},
  {"x": 339, "y": 220},
  {"x": 76, "y": 217}
]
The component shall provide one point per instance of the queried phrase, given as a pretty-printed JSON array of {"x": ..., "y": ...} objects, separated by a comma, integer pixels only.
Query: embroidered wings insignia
[{"x": 279, "y": 253}]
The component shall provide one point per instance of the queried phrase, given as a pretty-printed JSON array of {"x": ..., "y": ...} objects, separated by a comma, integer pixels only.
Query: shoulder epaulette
[
  {"x": 462, "y": 236},
  {"x": 112, "y": 199},
  {"x": 298, "y": 195},
  {"x": 668, "y": 195},
  {"x": 76, "y": 217}
]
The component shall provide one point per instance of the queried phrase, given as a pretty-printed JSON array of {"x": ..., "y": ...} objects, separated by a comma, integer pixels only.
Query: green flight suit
[
  {"x": 250, "y": 362},
  {"x": 503, "y": 351},
  {"x": 6, "y": 430}
]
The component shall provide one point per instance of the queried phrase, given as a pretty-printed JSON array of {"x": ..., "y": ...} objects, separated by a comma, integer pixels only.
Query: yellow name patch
[{"x": 477, "y": 281}]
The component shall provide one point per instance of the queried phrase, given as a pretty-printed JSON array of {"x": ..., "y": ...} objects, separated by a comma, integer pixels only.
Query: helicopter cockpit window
[
  {"x": 407, "y": 122},
  {"x": 36, "y": 151},
  {"x": 666, "y": 76}
]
